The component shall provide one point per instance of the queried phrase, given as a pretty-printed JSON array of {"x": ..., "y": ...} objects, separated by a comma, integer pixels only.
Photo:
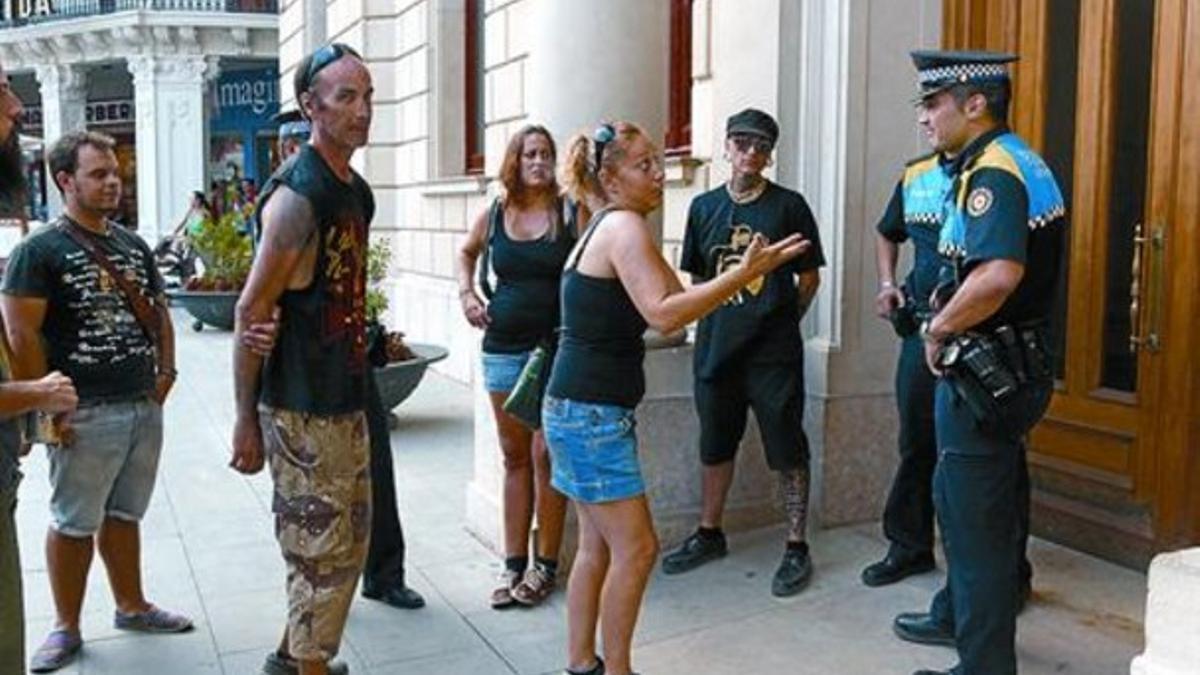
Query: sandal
[
  {"x": 533, "y": 589},
  {"x": 153, "y": 620},
  {"x": 502, "y": 597},
  {"x": 60, "y": 648}
]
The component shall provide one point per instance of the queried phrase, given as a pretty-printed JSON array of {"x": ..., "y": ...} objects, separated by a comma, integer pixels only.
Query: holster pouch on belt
[
  {"x": 904, "y": 320},
  {"x": 978, "y": 368}
]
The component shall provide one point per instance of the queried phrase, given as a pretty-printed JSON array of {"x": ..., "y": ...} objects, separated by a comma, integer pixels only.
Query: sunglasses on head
[
  {"x": 744, "y": 143},
  {"x": 604, "y": 134},
  {"x": 325, "y": 56}
]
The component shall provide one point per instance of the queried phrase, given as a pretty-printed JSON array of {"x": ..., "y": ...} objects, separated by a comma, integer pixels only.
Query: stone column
[
  {"x": 169, "y": 98},
  {"x": 64, "y": 109},
  {"x": 623, "y": 74}
]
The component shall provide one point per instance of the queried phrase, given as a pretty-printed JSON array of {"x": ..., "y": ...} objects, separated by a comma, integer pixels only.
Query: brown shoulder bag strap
[{"x": 146, "y": 315}]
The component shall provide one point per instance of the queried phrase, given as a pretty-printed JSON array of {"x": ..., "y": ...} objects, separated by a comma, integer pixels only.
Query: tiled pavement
[{"x": 209, "y": 552}]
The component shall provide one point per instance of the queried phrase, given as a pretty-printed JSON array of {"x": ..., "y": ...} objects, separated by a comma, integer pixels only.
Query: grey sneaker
[
  {"x": 793, "y": 574},
  {"x": 694, "y": 552},
  {"x": 281, "y": 664}
]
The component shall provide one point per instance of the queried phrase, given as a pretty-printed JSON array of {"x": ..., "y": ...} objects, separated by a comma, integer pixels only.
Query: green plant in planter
[
  {"x": 379, "y": 255},
  {"x": 226, "y": 253}
]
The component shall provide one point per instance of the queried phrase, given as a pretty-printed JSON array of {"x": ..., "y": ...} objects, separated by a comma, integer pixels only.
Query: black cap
[
  {"x": 753, "y": 122},
  {"x": 939, "y": 70},
  {"x": 292, "y": 124}
]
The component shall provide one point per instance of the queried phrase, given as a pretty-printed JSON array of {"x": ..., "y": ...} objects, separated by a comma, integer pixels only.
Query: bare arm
[
  {"x": 889, "y": 296},
  {"x": 166, "y": 352},
  {"x": 654, "y": 287},
  {"x": 289, "y": 227},
  {"x": 464, "y": 269},
  {"x": 981, "y": 294},
  {"x": 806, "y": 287},
  {"x": 23, "y": 318}
]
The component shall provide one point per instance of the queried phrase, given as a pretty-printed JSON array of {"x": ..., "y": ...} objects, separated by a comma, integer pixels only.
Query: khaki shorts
[{"x": 322, "y": 505}]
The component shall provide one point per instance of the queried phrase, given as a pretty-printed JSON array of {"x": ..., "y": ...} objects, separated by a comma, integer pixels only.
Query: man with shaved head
[{"x": 302, "y": 409}]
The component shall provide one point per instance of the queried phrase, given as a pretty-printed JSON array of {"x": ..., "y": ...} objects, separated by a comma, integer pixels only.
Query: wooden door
[{"x": 1103, "y": 89}]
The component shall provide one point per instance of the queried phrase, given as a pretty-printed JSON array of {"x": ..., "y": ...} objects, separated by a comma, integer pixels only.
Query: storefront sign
[
  {"x": 23, "y": 9},
  {"x": 242, "y": 94},
  {"x": 97, "y": 114}
]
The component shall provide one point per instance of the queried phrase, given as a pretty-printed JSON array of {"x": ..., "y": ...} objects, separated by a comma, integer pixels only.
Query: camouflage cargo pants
[{"x": 322, "y": 504}]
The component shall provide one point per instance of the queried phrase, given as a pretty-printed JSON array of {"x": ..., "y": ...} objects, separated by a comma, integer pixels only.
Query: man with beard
[
  {"x": 83, "y": 295},
  {"x": 303, "y": 408},
  {"x": 12, "y": 171},
  {"x": 53, "y": 393}
]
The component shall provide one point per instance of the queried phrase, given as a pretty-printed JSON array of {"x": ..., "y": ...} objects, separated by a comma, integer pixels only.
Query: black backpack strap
[{"x": 484, "y": 271}]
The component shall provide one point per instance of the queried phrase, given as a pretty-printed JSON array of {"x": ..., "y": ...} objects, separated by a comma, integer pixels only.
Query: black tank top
[
  {"x": 524, "y": 307},
  {"x": 319, "y": 365},
  {"x": 600, "y": 349}
]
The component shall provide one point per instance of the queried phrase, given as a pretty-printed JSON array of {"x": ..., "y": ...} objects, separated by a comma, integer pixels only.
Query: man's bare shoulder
[{"x": 288, "y": 219}]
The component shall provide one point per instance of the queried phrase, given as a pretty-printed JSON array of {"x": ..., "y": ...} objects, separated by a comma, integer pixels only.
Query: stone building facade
[{"x": 837, "y": 77}]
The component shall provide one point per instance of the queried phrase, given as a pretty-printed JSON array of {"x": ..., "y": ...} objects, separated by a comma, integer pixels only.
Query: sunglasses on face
[
  {"x": 604, "y": 134},
  {"x": 760, "y": 145},
  {"x": 325, "y": 56}
]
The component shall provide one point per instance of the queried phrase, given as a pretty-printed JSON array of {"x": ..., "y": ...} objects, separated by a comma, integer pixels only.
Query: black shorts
[{"x": 775, "y": 391}]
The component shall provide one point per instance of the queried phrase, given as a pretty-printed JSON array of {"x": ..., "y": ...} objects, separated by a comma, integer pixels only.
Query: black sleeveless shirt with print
[{"x": 319, "y": 364}]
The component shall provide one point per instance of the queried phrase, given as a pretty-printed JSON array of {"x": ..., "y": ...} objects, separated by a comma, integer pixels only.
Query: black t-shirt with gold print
[{"x": 761, "y": 323}]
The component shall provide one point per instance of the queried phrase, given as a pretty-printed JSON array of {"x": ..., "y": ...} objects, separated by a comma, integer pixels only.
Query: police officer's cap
[
  {"x": 292, "y": 124},
  {"x": 939, "y": 70},
  {"x": 753, "y": 122}
]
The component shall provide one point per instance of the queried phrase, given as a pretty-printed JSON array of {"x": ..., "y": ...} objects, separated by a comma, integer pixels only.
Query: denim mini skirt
[{"x": 593, "y": 450}]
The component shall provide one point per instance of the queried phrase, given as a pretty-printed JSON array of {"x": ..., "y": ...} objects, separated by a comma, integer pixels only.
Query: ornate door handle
[{"x": 1151, "y": 339}]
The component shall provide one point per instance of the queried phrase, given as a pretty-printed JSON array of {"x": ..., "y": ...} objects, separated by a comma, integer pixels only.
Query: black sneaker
[
  {"x": 694, "y": 552},
  {"x": 793, "y": 574}
]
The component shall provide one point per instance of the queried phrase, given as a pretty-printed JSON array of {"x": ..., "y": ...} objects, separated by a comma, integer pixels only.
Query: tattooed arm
[{"x": 289, "y": 229}]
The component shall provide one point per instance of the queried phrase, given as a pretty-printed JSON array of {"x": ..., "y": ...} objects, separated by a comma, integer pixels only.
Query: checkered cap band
[{"x": 968, "y": 72}]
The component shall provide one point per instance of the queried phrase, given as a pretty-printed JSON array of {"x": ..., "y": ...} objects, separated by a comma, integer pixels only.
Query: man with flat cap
[
  {"x": 1001, "y": 234},
  {"x": 749, "y": 353}
]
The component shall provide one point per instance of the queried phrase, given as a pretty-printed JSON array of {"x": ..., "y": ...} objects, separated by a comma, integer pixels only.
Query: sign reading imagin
[{"x": 246, "y": 94}]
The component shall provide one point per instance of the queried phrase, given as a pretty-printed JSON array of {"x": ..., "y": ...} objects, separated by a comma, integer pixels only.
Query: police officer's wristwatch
[{"x": 928, "y": 335}]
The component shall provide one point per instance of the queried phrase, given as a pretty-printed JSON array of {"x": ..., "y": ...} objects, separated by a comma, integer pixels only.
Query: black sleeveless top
[
  {"x": 524, "y": 307},
  {"x": 319, "y": 364},
  {"x": 600, "y": 349}
]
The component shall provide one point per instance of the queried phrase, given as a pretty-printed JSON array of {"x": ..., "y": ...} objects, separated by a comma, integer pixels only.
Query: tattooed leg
[{"x": 793, "y": 489}]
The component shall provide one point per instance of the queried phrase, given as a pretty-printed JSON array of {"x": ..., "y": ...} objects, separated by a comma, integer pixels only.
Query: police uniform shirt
[
  {"x": 761, "y": 322},
  {"x": 918, "y": 219},
  {"x": 996, "y": 186}
]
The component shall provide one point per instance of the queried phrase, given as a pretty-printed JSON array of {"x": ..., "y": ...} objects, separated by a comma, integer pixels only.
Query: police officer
[
  {"x": 1001, "y": 236},
  {"x": 294, "y": 131},
  {"x": 913, "y": 214}
]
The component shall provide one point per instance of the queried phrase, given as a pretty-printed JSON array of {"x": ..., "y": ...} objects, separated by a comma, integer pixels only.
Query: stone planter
[
  {"x": 396, "y": 381},
  {"x": 214, "y": 308}
]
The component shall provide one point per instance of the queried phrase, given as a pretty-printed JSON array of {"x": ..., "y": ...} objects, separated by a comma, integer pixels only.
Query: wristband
[{"x": 887, "y": 284}]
